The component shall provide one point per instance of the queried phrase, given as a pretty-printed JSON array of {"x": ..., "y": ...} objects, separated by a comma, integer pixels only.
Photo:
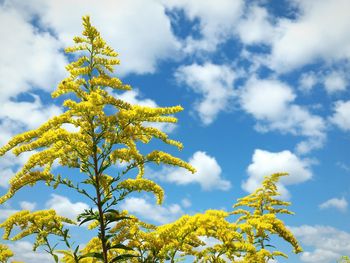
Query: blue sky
[{"x": 264, "y": 85}]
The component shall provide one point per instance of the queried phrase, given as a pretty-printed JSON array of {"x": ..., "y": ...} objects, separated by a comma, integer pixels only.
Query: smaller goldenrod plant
[
  {"x": 258, "y": 220},
  {"x": 208, "y": 237}
]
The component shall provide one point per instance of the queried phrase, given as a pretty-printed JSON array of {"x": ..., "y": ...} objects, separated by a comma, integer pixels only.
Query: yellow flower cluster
[
  {"x": 105, "y": 182},
  {"x": 42, "y": 223},
  {"x": 5, "y": 253},
  {"x": 141, "y": 184},
  {"x": 163, "y": 157},
  {"x": 148, "y": 114},
  {"x": 94, "y": 245},
  {"x": 20, "y": 180},
  {"x": 107, "y": 81}
]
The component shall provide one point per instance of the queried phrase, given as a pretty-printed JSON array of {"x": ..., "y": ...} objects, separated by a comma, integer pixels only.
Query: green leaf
[
  {"x": 92, "y": 255},
  {"x": 120, "y": 246},
  {"x": 87, "y": 219}
]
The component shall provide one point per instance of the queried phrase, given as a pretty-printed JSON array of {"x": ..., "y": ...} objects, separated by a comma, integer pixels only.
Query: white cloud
[
  {"x": 215, "y": 85},
  {"x": 25, "y": 205},
  {"x": 307, "y": 81},
  {"x": 132, "y": 27},
  {"x": 208, "y": 174},
  {"x": 64, "y": 207},
  {"x": 338, "y": 203},
  {"x": 335, "y": 82},
  {"x": 9, "y": 164},
  {"x": 147, "y": 210},
  {"x": 255, "y": 28},
  {"x": 329, "y": 243},
  {"x": 7, "y": 129},
  {"x": 5, "y": 176},
  {"x": 313, "y": 34},
  {"x": 217, "y": 20},
  {"x": 271, "y": 103},
  {"x": 23, "y": 251},
  {"x": 266, "y": 163},
  {"x": 32, "y": 59},
  {"x": 18, "y": 112},
  {"x": 266, "y": 99},
  {"x": 186, "y": 202},
  {"x": 133, "y": 97},
  {"x": 341, "y": 115},
  {"x": 6, "y": 212}
]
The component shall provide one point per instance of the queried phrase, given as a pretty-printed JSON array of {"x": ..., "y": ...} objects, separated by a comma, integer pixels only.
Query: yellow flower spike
[
  {"x": 5, "y": 253},
  {"x": 162, "y": 157},
  {"x": 41, "y": 223},
  {"x": 141, "y": 184}
]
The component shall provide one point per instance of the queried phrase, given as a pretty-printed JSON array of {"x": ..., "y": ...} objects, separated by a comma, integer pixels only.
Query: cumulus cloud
[
  {"x": 278, "y": 112},
  {"x": 335, "y": 82},
  {"x": 341, "y": 115},
  {"x": 159, "y": 214},
  {"x": 18, "y": 112},
  {"x": 23, "y": 252},
  {"x": 255, "y": 101},
  {"x": 313, "y": 34},
  {"x": 25, "y": 205},
  {"x": 9, "y": 164},
  {"x": 32, "y": 58},
  {"x": 307, "y": 81},
  {"x": 255, "y": 27},
  {"x": 266, "y": 163},
  {"x": 125, "y": 24},
  {"x": 214, "y": 83},
  {"x": 216, "y": 21},
  {"x": 64, "y": 207},
  {"x": 328, "y": 242},
  {"x": 6, "y": 212},
  {"x": 186, "y": 202},
  {"x": 338, "y": 203},
  {"x": 208, "y": 174}
]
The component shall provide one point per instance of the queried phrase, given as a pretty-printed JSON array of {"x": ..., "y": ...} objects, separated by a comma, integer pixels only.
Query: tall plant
[{"x": 107, "y": 133}]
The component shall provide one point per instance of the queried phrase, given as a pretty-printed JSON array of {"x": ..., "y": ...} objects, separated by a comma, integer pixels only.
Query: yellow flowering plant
[
  {"x": 107, "y": 132},
  {"x": 258, "y": 221}
]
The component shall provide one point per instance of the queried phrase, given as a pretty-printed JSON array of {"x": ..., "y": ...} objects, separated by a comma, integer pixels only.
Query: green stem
[
  {"x": 99, "y": 206},
  {"x": 51, "y": 250}
]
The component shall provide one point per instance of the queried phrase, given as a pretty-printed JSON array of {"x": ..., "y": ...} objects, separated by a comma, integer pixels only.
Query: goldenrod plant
[
  {"x": 213, "y": 236},
  {"x": 107, "y": 132},
  {"x": 258, "y": 220}
]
